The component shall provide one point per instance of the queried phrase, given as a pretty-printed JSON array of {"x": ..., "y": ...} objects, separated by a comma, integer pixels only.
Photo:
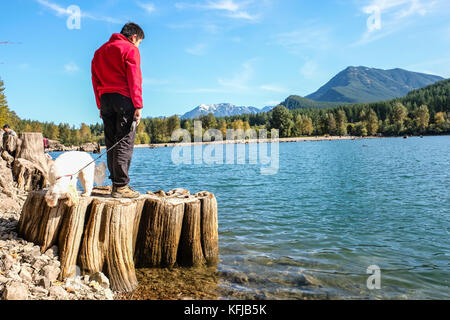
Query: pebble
[
  {"x": 16, "y": 291},
  {"x": 101, "y": 279},
  {"x": 27, "y": 274}
]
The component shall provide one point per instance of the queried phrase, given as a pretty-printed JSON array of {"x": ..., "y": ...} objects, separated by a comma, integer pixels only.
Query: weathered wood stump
[
  {"x": 9, "y": 148},
  {"x": 100, "y": 233},
  {"x": 30, "y": 147},
  {"x": 30, "y": 166}
]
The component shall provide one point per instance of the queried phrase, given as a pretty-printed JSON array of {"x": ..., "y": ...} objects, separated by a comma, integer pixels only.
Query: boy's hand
[{"x": 137, "y": 116}]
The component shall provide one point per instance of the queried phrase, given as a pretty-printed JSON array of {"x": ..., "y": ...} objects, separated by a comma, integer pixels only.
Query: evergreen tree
[
  {"x": 281, "y": 119},
  {"x": 341, "y": 123}
]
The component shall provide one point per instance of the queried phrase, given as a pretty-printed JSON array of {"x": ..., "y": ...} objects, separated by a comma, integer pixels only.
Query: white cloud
[
  {"x": 231, "y": 8},
  {"x": 71, "y": 68},
  {"x": 227, "y": 5},
  {"x": 241, "y": 79},
  {"x": 386, "y": 17},
  {"x": 309, "y": 37},
  {"x": 197, "y": 50},
  {"x": 243, "y": 15},
  {"x": 438, "y": 66},
  {"x": 208, "y": 27},
  {"x": 309, "y": 69},
  {"x": 147, "y": 6},
  {"x": 60, "y": 11}
]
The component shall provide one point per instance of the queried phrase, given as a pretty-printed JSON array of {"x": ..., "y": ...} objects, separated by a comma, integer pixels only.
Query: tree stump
[
  {"x": 103, "y": 234},
  {"x": 30, "y": 167},
  {"x": 28, "y": 175},
  {"x": 9, "y": 146}
]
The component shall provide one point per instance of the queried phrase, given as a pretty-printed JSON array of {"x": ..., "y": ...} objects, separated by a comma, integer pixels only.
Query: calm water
[{"x": 333, "y": 209}]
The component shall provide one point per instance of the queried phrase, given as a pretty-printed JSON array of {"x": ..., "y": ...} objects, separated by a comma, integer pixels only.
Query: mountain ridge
[
  {"x": 363, "y": 84},
  {"x": 222, "y": 110},
  {"x": 351, "y": 85}
]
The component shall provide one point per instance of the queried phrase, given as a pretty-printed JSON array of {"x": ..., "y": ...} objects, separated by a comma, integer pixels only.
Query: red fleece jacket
[{"x": 116, "y": 68}]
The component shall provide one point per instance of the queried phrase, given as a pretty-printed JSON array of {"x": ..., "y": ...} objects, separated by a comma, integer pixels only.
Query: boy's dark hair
[
  {"x": 6, "y": 126},
  {"x": 132, "y": 28}
]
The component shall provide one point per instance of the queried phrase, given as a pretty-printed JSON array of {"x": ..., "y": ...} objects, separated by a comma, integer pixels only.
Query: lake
[{"x": 334, "y": 208}]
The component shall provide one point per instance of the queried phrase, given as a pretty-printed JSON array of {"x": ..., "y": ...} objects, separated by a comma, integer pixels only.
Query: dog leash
[{"x": 132, "y": 129}]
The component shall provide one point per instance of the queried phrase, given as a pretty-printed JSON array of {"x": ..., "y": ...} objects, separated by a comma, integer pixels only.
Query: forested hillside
[{"x": 422, "y": 111}]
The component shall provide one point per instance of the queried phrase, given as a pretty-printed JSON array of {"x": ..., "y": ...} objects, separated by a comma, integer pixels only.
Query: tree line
[{"x": 422, "y": 111}]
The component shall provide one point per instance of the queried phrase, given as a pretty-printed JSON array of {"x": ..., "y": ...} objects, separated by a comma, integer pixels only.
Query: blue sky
[{"x": 245, "y": 52}]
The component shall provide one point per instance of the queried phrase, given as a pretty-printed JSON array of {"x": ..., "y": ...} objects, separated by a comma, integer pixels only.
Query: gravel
[{"x": 27, "y": 274}]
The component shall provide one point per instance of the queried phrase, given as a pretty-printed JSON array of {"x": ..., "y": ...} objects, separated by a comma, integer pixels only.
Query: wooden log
[
  {"x": 190, "y": 250},
  {"x": 160, "y": 231},
  {"x": 99, "y": 233},
  {"x": 31, "y": 165},
  {"x": 209, "y": 227},
  {"x": 108, "y": 242},
  {"x": 30, "y": 147},
  {"x": 70, "y": 236}
]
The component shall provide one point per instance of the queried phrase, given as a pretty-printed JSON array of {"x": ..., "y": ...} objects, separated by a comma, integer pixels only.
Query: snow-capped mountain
[{"x": 221, "y": 110}]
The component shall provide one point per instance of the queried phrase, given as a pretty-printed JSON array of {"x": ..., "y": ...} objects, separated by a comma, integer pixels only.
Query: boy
[{"x": 117, "y": 82}]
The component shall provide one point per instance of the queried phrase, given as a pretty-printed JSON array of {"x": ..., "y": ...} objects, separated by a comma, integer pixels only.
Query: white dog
[{"x": 64, "y": 173}]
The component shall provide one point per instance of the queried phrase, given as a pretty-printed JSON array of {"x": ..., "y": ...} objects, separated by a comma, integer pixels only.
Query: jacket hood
[{"x": 118, "y": 36}]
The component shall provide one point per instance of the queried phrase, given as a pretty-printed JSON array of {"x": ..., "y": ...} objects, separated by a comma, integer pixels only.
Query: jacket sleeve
[
  {"x": 95, "y": 84},
  {"x": 134, "y": 77}
]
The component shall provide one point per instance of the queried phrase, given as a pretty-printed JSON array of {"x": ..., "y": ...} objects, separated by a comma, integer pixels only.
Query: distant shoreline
[{"x": 251, "y": 141}]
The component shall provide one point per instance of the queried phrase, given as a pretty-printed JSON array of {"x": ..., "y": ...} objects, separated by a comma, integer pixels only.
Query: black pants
[{"x": 117, "y": 114}]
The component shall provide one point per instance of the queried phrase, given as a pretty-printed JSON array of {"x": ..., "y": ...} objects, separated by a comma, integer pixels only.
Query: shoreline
[
  {"x": 250, "y": 141},
  {"x": 240, "y": 141}
]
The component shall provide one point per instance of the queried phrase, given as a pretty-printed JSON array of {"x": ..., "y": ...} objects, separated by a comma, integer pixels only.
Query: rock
[
  {"x": 3, "y": 279},
  {"x": 96, "y": 286},
  {"x": 58, "y": 293},
  {"x": 35, "y": 252},
  {"x": 13, "y": 275},
  {"x": 38, "y": 264},
  {"x": 16, "y": 291},
  {"x": 25, "y": 274},
  {"x": 52, "y": 252},
  {"x": 7, "y": 263},
  {"x": 8, "y": 203},
  {"x": 109, "y": 294},
  {"x": 90, "y": 147},
  {"x": 101, "y": 279},
  {"x": 302, "y": 281},
  {"x": 40, "y": 291},
  {"x": 50, "y": 272},
  {"x": 44, "y": 283}
]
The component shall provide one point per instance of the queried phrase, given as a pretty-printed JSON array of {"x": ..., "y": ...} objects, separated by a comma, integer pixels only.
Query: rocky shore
[{"x": 27, "y": 274}]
